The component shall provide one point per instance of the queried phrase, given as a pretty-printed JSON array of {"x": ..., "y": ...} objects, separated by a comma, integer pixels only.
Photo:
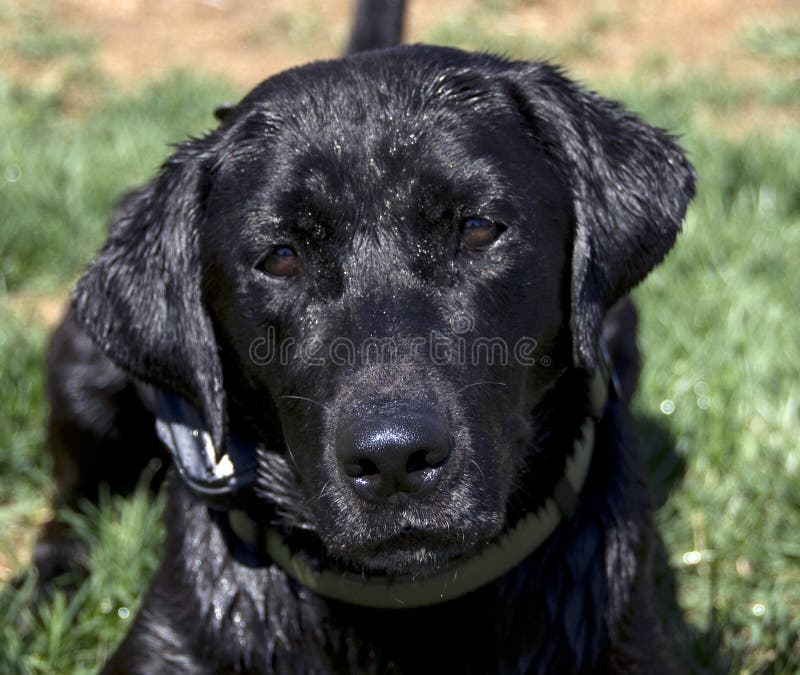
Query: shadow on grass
[{"x": 698, "y": 651}]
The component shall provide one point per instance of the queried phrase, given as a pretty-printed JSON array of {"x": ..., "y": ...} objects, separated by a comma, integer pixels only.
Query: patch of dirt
[
  {"x": 246, "y": 40},
  {"x": 241, "y": 39},
  {"x": 43, "y": 308},
  {"x": 18, "y": 542},
  {"x": 687, "y": 35}
]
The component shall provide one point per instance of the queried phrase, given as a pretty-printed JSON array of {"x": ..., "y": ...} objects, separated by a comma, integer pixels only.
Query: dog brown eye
[
  {"x": 281, "y": 262},
  {"x": 478, "y": 232}
]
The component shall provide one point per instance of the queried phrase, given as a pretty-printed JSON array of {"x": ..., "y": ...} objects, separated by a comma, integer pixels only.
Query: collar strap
[
  {"x": 489, "y": 563},
  {"x": 219, "y": 480}
]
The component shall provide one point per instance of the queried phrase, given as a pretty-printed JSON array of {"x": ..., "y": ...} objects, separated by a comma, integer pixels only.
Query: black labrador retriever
[{"x": 378, "y": 319}]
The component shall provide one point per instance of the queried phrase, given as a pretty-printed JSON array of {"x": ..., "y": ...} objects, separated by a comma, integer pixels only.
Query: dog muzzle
[
  {"x": 222, "y": 482},
  {"x": 485, "y": 565}
]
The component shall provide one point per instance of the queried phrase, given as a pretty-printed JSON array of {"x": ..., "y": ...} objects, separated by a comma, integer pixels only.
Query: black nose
[{"x": 388, "y": 454}]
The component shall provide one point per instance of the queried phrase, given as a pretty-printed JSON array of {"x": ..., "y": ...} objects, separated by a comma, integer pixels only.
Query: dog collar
[
  {"x": 218, "y": 480},
  {"x": 489, "y": 563},
  {"x": 222, "y": 481}
]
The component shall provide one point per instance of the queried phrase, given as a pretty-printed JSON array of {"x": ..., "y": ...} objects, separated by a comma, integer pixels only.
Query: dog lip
[
  {"x": 410, "y": 538},
  {"x": 399, "y": 557},
  {"x": 415, "y": 551}
]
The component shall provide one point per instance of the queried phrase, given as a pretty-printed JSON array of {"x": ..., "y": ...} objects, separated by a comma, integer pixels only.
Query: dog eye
[
  {"x": 478, "y": 232},
  {"x": 280, "y": 262}
]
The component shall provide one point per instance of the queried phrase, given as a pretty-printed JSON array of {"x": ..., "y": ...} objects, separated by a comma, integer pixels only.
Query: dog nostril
[
  {"x": 427, "y": 459},
  {"x": 360, "y": 468},
  {"x": 417, "y": 462}
]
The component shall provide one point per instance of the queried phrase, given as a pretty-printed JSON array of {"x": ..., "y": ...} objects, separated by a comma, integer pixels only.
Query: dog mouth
[
  {"x": 421, "y": 556},
  {"x": 411, "y": 553},
  {"x": 412, "y": 540},
  {"x": 402, "y": 550}
]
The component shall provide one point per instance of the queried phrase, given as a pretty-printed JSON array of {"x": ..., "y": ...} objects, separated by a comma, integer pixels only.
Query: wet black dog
[{"x": 380, "y": 296}]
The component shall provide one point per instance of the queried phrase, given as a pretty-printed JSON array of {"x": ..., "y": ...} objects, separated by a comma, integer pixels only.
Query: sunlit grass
[
  {"x": 720, "y": 327},
  {"x": 75, "y": 632},
  {"x": 60, "y": 175}
]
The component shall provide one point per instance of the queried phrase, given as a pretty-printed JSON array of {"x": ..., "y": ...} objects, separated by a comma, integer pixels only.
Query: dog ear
[
  {"x": 140, "y": 299},
  {"x": 630, "y": 185}
]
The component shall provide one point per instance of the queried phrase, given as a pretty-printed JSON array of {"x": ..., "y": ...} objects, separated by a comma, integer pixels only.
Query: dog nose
[{"x": 390, "y": 454}]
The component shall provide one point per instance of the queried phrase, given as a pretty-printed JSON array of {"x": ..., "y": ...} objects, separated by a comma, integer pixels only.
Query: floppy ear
[
  {"x": 140, "y": 299},
  {"x": 630, "y": 185}
]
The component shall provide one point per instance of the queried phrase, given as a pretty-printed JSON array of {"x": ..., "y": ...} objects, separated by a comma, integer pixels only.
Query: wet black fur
[{"x": 367, "y": 165}]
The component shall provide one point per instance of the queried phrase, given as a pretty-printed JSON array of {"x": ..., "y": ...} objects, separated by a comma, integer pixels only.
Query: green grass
[
  {"x": 485, "y": 27},
  {"x": 61, "y": 174},
  {"x": 720, "y": 334},
  {"x": 778, "y": 42},
  {"x": 75, "y": 632},
  {"x": 21, "y": 408},
  {"x": 38, "y": 36},
  {"x": 720, "y": 327}
]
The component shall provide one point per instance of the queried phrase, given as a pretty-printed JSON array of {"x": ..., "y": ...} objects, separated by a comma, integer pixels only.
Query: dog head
[{"x": 378, "y": 265}]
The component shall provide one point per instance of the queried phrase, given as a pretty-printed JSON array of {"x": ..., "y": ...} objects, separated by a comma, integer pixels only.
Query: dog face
[
  {"x": 388, "y": 231},
  {"x": 366, "y": 264}
]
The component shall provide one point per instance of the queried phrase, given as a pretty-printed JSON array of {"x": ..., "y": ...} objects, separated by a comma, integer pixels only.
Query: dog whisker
[
  {"x": 292, "y": 457},
  {"x": 475, "y": 384},
  {"x": 305, "y": 398},
  {"x": 480, "y": 471}
]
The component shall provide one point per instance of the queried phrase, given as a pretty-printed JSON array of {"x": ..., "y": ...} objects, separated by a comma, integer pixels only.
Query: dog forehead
[
  {"x": 388, "y": 143},
  {"x": 377, "y": 102},
  {"x": 345, "y": 139},
  {"x": 400, "y": 76}
]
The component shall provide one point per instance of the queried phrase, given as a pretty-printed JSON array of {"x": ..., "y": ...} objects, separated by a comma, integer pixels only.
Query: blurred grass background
[{"x": 719, "y": 405}]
